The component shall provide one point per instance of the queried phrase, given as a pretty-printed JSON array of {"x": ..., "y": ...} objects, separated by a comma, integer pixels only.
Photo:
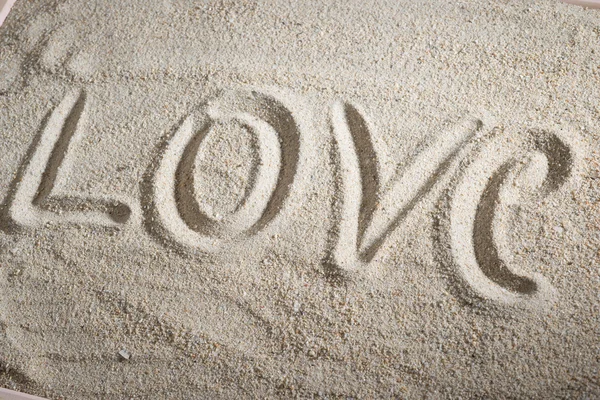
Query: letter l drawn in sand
[{"x": 32, "y": 201}]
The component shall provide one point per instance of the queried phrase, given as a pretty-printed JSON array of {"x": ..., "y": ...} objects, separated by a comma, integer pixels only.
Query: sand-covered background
[{"x": 311, "y": 199}]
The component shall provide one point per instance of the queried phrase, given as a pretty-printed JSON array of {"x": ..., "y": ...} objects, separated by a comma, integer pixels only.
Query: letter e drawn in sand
[
  {"x": 173, "y": 210},
  {"x": 32, "y": 201},
  {"x": 474, "y": 225},
  {"x": 367, "y": 213}
]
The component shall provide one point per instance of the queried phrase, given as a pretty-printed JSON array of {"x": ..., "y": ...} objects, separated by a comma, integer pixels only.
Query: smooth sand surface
[{"x": 229, "y": 199}]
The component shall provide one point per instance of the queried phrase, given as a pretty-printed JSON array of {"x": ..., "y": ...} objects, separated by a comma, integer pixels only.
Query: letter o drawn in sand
[
  {"x": 474, "y": 228},
  {"x": 175, "y": 213}
]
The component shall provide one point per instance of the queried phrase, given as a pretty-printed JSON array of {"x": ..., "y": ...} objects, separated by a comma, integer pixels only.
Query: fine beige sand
[{"x": 310, "y": 199}]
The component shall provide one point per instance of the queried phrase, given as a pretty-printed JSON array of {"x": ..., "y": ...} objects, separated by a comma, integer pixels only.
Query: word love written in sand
[{"x": 471, "y": 239}]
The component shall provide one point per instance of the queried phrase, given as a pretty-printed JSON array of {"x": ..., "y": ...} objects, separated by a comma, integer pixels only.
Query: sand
[{"x": 310, "y": 200}]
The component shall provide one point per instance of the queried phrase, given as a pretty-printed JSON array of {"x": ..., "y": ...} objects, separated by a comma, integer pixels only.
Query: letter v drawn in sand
[
  {"x": 174, "y": 211},
  {"x": 474, "y": 226},
  {"x": 32, "y": 201},
  {"x": 367, "y": 213}
]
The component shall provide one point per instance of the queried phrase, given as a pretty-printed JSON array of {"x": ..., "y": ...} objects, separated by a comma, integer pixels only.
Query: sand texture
[{"x": 310, "y": 199}]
